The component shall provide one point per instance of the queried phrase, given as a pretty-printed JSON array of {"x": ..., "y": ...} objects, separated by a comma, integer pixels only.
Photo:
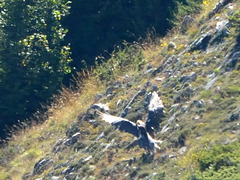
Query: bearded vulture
[{"x": 137, "y": 129}]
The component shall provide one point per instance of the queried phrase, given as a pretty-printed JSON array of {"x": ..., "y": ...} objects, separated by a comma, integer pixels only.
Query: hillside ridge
[{"x": 195, "y": 71}]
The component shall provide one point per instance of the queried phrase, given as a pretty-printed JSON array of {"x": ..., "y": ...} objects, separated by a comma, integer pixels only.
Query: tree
[
  {"x": 96, "y": 26},
  {"x": 33, "y": 56}
]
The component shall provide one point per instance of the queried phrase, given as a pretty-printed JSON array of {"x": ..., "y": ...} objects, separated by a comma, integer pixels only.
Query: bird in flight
[
  {"x": 137, "y": 129},
  {"x": 143, "y": 131}
]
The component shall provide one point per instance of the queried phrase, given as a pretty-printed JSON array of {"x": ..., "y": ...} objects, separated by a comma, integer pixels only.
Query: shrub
[{"x": 220, "y": 161}]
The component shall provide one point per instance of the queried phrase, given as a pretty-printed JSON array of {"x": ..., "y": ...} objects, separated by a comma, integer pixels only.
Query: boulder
[
  {"x": 231, "y": 62},
  {"x": 68, "y": 170},
  {"x": 72, "y": 130},
  {"x": 187, "y": 21},
  {"x": 218, "y": 7},
  {"x": 42, "y": 165},
  {"x": 94, "y": 122},
  {"x": 101, "y": 107},
  {"x": 222, "y": 31},
  {"x": 183, "y": 150},
  {"x": 97, "y": 97},
  {"x": 188, "y": 78},
  {"x": 171, "y": 45},
  {"x": 73, "y": 139},
  {"x": 59, "y": 146},
  {"x": 201, "y": 43},
  {"x": 198, "y": 104},
  {"x": 233, "y": 117}
]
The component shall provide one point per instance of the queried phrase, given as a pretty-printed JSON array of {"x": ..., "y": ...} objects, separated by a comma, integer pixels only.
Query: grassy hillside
[{"x": 196, "y": 70}]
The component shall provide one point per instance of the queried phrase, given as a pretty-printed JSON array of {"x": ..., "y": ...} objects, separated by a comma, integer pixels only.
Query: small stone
[
  {"x": 102, "y": 135},
  {"x": 171, "y": 45},
  {"x": 172, "y": 156},
  {"x": 98, "y": 97},
  {"x": 110, "y": 96},
  {"x": 162, "y": 158},
  {"x": 94, "y": 122},
  {"x": 55, "y": 178},
  {"x": 198, "y": 104},
  {"x": 233, "y": 117},
  {"x": 188, "y": 78},
  {"x": 154, "y": 88},
  {"x": 159, "y": 79},
  {"x": 73, "y": 139},
  {"x": 101, "y": 107},
  {"x": 26, "y": 176},
  {"x": 232, "y": 62},
  {"x": 183, "y": 150},
  {"x": 68, "y": 170},
  {"x": 119, "y": 103},
  {"x": 149, "y": 67},
  {"x": 59, "y": 146},
  {"x": 87, "y": 159}
]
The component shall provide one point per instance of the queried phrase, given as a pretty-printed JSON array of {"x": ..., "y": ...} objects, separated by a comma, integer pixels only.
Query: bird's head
[{"x": 140, "y": 123}]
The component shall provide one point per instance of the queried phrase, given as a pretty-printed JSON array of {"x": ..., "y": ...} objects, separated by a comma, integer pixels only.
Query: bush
[
  {"x": 219, "y": 162},
  {"x": 235, "y": 19}
]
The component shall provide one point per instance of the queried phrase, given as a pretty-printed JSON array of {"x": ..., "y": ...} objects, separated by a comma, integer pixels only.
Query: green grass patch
[
  {"x": 218, "y": 162},
  {"x": 205, "y": 94},
  {"x": 3, "y": 175},
  {"x": 233, "y": 89}
]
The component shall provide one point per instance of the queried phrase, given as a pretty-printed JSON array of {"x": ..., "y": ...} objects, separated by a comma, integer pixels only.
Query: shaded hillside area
[
  {"x": 95, "y": 27},
  {"x": 193, "y": 72},
  {"x": 36, "y": 57}
]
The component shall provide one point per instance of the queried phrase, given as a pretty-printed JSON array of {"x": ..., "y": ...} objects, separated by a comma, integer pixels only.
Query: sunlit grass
[{"x": 29, "y": 145}]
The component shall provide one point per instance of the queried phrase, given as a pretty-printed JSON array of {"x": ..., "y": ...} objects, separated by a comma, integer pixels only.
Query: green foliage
[
  {"x": 233, "y": 90},
  {"x": 219, "y": 162},
  {"x": 235, "y": 19},
  {"x": 3, "y": 175},
  {"x": 129, "y": 57},
  {"x": 33, "y": 57},
  {"x": 205, "y": 94},
  {"x": 186, "y": 7},
  {"x": 95, "y": 26}
]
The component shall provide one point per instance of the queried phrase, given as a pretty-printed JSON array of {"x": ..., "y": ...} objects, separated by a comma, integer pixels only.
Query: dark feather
[
  {"x": 120, "y": 123},
  {"x": 127, "y": 126}
]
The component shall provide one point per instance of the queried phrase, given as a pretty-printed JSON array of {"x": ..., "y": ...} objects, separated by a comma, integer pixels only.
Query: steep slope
[{"x": 195, "y": 70}]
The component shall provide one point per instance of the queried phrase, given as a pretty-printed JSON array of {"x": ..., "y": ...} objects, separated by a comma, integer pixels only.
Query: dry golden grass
[
  {"x": 31, "y": 144},
  {"x": 27, "y": 146}
]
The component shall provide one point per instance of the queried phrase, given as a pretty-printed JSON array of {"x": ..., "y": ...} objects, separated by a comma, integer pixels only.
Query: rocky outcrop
[
  {"x": 218, "y": 7},
  {"x": 42, "y": 165}
]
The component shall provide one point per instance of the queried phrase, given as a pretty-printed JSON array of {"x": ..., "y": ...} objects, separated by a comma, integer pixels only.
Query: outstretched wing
[
  {"x": 155, "y": 113},
  {"x": 120, "y": 123},
  {"x": 155, "y": 102}
]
